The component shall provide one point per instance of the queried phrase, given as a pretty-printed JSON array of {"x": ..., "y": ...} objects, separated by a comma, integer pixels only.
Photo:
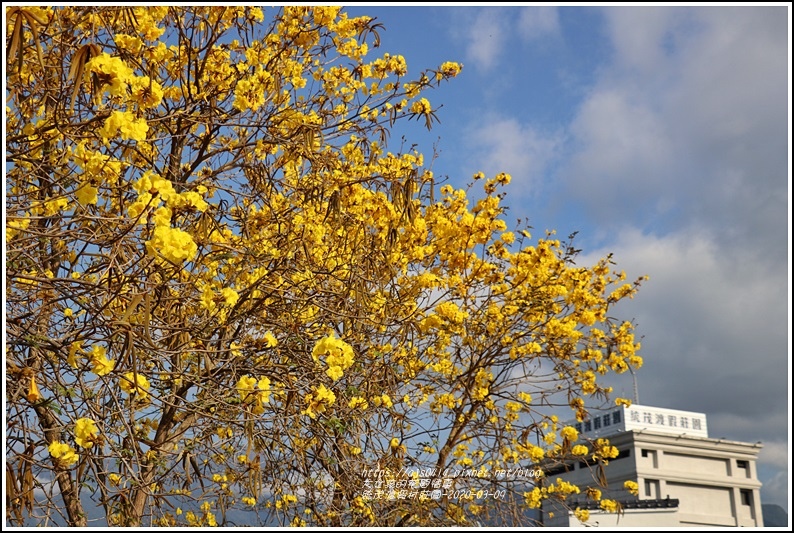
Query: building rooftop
[{"x": 667, "y": 503}]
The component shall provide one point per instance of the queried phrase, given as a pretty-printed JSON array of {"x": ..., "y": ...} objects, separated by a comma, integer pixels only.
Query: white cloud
[
  {"x": 641, "y": 36},
  {"x": 499, "y": 144},
  {"x": 538, "y": 23},
  {"x": 625, "y": 156},
  {"x": 485, "y": 36},
  {"x": 775, "y": 490},
  {"x": 688, "y": 125},
  {"x": 775, "y": 453}
]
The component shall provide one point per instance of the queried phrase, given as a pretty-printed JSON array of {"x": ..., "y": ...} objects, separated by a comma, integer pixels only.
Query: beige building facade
[{"x": 685, "y": 478}]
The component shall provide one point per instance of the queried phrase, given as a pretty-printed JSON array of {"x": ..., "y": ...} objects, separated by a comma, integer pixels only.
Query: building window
[
  {"x": 559, "y": 470},
  {"x": 578, "y": 427},
  {"x": 606, "y": 420},
  {"x": 747, "y": 497},
  {"x": 587, "y": 426},
  {"x": 743, "y": 466},
  {"x": 597, "y": 422},
  {"x": 650, "y": 454},
  {"x": 616, "y": 417},
  {"x": 652, "y": 489}
]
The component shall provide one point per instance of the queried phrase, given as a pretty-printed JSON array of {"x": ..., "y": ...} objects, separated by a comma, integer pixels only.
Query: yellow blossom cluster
[
  {"x": 135, "y": 384},
  {"x": 569, "y": 433},
  {"x": 318, "y": 401},
  {"x": 255, "y": 393},
  {"x": 85, "y": 432},
  {"x": 583, "y": 515},
  {"x": 338, "y": 355},
  {"x": 101, "y": 365},
  {"x": 632, "y": 487},
  {"x": 610, "y": 506},
  {"x": 580, "y": 450},
  {"x": 173, "y": 244},
  {"x": 64, "y": 453},
  {"x": 125, "y": 125}
]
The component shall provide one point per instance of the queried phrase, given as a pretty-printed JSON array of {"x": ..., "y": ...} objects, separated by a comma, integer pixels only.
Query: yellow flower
[
  {"x": 87, "y": 194},
  {"x": 524, "y": 397},
  {"x": 334, "y": 372},
  {"x": 395, "y": 442},
  {"x": 386, "y": 400},
  {"x": 339, "y": 355},
  {"x": 318, "y": 401},
  {"x": 450, "y": 69},
  {"x": 135, "y": 383},
  {"x": 358, "y": 401},
  {"x": 173, "y": 243},
  {"x": 533, "y": 498},
  {"x": 33, "y": 391},
  {"x": 85, "y": 431},
  {"x": 230, "y": 296},
  {"x": 421, "y": 107},
  {"x": 579, "y": 449},
  {"x": 245, "y": 386},
  {"x": 583, "y": 515},
  {"x": 115, "y": 73},
  {"x": 54, "y": 205},
  {"x": 102, "y": 365},
  {"x": 270, "y": 340},
  {"x": 125, "y": 124},
  {"x": 569, "y": 433},
  {"x": 63, "y": 452},
  {"x": 71, "y": 359},
  {"x": 610, "y": 506},
  {"x": 632, "y": 487}
]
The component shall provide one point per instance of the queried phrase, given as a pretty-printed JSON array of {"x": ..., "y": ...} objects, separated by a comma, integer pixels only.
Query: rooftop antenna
[{"x": 636, "y": 391}]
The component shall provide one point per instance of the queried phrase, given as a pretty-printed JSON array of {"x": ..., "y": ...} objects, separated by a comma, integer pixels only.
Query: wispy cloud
[
  {"x": 776, "y": 489},
  {"x": 687, "y": 125},
  {"x": 538, "y": 23},
  {"x": 485, "y": 37},
  {"x": 499, "y": 144}
]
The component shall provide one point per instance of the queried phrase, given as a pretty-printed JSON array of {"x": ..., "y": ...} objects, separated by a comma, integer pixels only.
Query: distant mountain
[{"x": 774, "y": 515}]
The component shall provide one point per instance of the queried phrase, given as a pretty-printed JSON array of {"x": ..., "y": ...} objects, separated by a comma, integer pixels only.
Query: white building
[{"x": 685, "y": 478}]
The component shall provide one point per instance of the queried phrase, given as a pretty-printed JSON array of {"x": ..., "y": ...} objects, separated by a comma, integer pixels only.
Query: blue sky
[{"x": 660, "y": 134}]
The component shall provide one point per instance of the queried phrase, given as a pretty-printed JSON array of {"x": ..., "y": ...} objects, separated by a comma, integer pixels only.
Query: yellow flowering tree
[{"x": 227, "y": 293}]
